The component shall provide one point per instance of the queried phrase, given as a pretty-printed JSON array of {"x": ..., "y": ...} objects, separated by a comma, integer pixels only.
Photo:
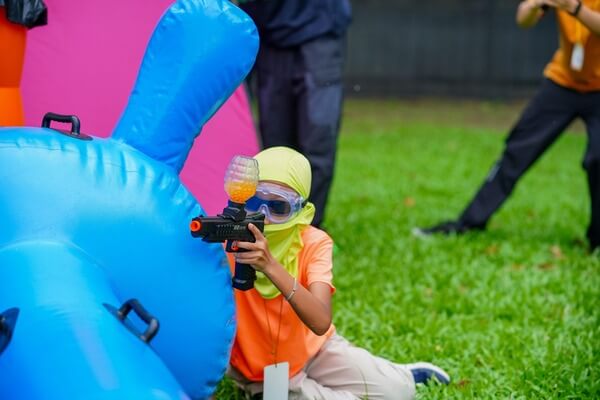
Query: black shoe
[
  {"x": 594, "y": 245},
  {"x": 446, "y": 228}
]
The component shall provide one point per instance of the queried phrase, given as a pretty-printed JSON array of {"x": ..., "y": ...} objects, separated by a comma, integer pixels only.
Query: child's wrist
[
  {"x": 289, "y": 296},
  {"x": 270, "y": 268}
]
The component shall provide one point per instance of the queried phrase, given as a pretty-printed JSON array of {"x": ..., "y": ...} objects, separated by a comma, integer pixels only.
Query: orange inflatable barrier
[{"x": 12, "y": 56}]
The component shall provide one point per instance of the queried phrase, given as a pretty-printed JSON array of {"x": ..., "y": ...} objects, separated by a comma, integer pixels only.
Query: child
[{"x": 287, "y": 316}]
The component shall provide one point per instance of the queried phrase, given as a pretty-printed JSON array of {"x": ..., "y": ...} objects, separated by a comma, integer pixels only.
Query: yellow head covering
[{"x": 287, "y": 166}]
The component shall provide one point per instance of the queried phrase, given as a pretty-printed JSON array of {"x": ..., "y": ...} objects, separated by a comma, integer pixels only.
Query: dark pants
[
  {"x": 545, "y": 118},
  {"x": 299, "y": 93}
]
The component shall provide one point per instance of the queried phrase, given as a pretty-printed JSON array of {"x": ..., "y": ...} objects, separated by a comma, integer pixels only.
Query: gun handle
[{"x": 244, "y": 277}]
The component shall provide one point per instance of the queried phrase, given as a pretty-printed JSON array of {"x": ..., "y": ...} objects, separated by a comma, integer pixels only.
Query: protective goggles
[{"x": 278, "y": 204}]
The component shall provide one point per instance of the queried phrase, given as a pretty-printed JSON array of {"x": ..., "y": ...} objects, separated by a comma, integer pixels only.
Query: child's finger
[
  {"x": 246, "y": 245},
  {"x": 257, "y": 233},
  {"x": 247, "y": 257}
]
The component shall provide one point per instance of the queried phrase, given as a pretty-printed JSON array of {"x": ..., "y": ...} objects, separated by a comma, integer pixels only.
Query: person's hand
[
  {"x": 566, "y": 5},
  {"x": 258, "y": 255},
  {"x": 537, "y": 3}
]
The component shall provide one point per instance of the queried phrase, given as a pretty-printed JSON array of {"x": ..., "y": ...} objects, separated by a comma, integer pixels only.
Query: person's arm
[
  {"x": 587, "y": 16},
  {"x": 529, "y": 13},
  {"x": 312, "y": 305}
]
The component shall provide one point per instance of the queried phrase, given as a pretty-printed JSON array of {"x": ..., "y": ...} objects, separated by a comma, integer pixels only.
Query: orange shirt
[
  {"x": 572, "y": 31},
  {"x": 252, "y": 349}
]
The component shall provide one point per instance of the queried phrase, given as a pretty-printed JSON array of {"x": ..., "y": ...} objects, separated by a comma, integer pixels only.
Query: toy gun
[{"x": 231, "y": 225}]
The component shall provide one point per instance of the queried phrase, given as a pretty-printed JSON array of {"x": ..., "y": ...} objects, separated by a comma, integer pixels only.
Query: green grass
[{"x": 510, "y": 313}]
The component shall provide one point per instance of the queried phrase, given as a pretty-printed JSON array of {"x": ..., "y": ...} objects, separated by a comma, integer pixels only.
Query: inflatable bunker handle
[
  {"x": 67, "y": 119},
  {"x": 8, "y": 320},
  {"x": 136, "y": 306},
  {"x": 72, "y": 119}
]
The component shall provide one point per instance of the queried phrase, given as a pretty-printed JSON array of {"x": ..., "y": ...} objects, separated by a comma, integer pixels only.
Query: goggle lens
[{"x": 277, "y": 206}]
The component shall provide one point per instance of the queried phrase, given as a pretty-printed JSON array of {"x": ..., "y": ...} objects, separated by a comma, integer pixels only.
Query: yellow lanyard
[{"x": 579, "y": 31}]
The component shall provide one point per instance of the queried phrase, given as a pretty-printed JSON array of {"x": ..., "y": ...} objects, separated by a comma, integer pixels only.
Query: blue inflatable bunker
[{"x": 104, "y": 294}]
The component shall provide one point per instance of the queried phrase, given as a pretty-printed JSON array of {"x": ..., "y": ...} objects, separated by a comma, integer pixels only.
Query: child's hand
[{"x": 258, "y": 255}]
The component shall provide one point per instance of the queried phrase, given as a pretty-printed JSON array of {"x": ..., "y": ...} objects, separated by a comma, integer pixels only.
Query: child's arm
[{"x": 312, "y": 305}]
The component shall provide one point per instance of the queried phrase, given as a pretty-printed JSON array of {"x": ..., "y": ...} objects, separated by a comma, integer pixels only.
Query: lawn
[{"x": 509, "y": 313}]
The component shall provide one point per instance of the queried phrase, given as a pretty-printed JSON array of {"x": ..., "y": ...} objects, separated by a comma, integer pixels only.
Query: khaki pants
[{"x": 341, "y": 371}]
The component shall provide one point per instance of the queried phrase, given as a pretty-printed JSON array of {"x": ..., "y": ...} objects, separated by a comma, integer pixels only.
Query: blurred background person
[
  {"x": 299, "y": 81},
  {"x": 571, "y": 90}
]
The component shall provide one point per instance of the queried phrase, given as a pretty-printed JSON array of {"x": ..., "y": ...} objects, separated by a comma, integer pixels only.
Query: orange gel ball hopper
[{"x": 240, "y": 191}]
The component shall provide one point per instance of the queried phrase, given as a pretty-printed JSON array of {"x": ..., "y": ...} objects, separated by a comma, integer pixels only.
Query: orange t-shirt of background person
[
  {"x": 254, "y": 343},
  {"x": 571, "y": 31}
]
